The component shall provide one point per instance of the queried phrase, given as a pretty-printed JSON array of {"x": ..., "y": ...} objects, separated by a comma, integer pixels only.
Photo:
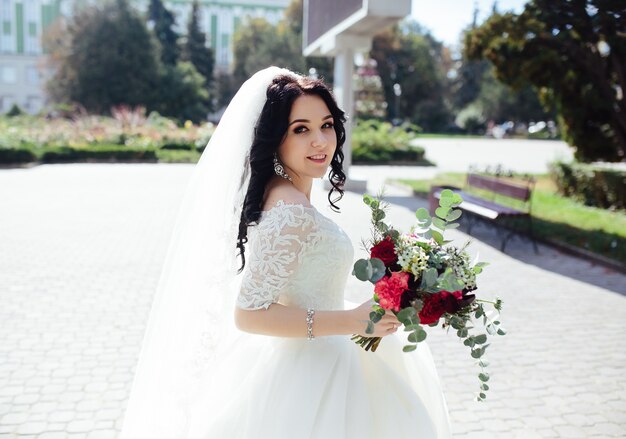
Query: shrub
[
  {"x": 592, "y": 184},
  {"x": 374, "y": 141},
  {"x": 16, "y": 155},
  {"x": 65, "y": 154}
]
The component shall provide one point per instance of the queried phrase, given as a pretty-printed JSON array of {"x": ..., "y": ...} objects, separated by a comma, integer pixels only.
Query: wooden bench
[{"x": 489, "y": 210}]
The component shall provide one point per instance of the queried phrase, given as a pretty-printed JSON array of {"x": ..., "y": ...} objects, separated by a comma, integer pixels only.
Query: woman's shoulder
[{"x": 279, "y": 193}]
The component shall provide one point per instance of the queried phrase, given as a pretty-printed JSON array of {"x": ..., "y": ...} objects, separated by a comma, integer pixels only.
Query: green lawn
[{"x": 554, "y": 216}]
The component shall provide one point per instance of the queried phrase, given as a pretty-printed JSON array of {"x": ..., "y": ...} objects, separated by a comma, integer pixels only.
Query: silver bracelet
[{"x": 309, "y": 323}]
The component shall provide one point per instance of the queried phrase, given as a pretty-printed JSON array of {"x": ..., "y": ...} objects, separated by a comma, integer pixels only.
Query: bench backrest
[{"x": 499, "y": 186}]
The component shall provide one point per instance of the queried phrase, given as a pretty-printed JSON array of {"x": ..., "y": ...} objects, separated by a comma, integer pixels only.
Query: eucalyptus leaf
[
  {"x": 422, "y": 214},
  {"x": 442, "y": 212},
  {"x": 405, "y": 315},
  {"x": 484, "y": 386},
  {"x": 409, "y": 348},
  {"x": 378, "y": 269},
  {"x": 483, "y": 376},
  {"x": 481, "y": 338},
  {"x": 375, "y": 317},
  {"x": 452, "y": 226},
  {"x": 370, "y": 328},
  {"x": 437, "y": 236},
  {"x": 378, "y": 214},
  {"x": 363, "y": 269},
  {"x": 453, "y": 215},
  {"x": 429, "y": 277},
  {"x": 421, "y": 335},
  {"x": 439, "y": 223}
]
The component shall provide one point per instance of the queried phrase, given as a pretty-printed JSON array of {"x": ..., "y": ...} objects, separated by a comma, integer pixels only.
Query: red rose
[
  {"x": 390, "y": 288},
  {"x": 451, "y": 300},
  {"x": 436, "y": 304},
  {"x": 385, "y": 251}
]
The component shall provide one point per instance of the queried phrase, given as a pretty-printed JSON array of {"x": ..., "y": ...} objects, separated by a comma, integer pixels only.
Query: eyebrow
[{"x": 307, "y": 120}]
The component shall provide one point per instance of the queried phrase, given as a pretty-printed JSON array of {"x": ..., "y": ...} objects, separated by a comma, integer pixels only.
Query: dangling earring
[{"x": 279, "y": 169}]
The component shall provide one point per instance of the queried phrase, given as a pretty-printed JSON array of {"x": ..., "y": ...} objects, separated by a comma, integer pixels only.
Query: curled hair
[{"x": 269, "y": 132}]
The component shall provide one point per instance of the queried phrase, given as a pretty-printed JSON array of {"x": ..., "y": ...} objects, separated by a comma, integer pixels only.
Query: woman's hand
[{"x": 360, "y": 315}]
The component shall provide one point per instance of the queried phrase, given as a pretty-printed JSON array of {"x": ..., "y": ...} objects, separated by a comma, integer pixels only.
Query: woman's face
[{"x": 310, "y": 141}]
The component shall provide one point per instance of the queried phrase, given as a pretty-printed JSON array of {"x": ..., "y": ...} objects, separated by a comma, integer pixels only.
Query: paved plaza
[{"x": 81, "y": 247}]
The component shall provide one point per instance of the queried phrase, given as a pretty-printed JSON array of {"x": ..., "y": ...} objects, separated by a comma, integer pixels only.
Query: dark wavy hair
[{"x": 269, "y": 133}]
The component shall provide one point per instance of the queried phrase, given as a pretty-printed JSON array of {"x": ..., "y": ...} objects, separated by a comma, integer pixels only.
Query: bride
[{"x": 256, "y": 343}]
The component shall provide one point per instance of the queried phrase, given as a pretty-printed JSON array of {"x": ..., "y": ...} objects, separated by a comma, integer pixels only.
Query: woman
[{"x": 283, "y": 366}]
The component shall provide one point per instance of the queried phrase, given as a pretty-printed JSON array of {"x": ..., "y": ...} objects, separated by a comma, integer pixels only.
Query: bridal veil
[{"x": 193, "y": 304}]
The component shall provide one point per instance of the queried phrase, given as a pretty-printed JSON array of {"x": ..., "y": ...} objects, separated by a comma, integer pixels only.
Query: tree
[
  {"x": 97, "y": 75},
  {"x": 574, "y": 52},
  {"x": 407, "y": 55},
  {"x": 161, "y": 21},
  {"x": 182, "y": 93},
  {"x": 196, "y": 51},
  {"x": 258, "y": 44}
]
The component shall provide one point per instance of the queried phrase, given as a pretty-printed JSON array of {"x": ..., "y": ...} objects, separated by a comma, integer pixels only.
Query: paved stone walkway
[{"x": 81, "y": 247}]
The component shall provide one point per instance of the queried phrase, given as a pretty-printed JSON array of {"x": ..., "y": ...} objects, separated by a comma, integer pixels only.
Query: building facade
[{"x": 22, "y": 23}]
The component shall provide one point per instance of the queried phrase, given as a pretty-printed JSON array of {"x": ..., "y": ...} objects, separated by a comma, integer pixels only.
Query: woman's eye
[{"x": 302, "y": 128}]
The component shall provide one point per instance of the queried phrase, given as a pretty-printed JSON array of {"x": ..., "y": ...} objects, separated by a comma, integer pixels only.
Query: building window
[
  {"x": 8, "y": 75},
  {"x": 33, "y": 104},
  {"x": 6, "y": 102},
  {"x": 32, "y": 75}
]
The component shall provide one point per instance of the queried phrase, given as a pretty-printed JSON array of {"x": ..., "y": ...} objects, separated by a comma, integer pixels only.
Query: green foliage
[
  {"x": 404, "y": 53},
  {"x": 65, "y": 154},
  {"x": 196, "y": 51},
  {"x": 182, "y": 93},
  {"x": 575, "y": 54},
  {"x": 593, "y": 185},
  {"x": 556, "y": 217},
  {"x": 162, "y": 22},
  {"x": 374, "y": 141},
  {"x": 15, "y": 110},
  {"x": 258, "y": 44},
  {"x": 27, "y": 138},
  {"x": 99, "y": 76},
  {"x": 16, "y": 155}
]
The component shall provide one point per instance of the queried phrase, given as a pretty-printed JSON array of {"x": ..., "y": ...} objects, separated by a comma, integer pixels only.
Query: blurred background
[{"x": 105, "y": 107}]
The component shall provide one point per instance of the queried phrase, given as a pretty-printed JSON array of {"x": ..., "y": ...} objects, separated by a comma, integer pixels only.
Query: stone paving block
[
  {"x": 53, "y": 435},
  {"x": 74, "y": 328},
  {"x": 31, "y": 428}
]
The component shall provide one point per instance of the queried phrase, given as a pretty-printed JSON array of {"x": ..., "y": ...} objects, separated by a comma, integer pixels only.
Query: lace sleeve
[{"x": 282, "y": 235}]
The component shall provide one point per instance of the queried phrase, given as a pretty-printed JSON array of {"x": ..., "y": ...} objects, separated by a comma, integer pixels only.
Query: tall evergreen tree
[
  {"x": 97, "y": 75},
  {"x": 195, "y": 49},
  {"x": 162, "y": 23}
]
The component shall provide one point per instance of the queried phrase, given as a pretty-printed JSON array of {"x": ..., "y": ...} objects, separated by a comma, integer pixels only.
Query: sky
[{"x": 446, "y": 18}]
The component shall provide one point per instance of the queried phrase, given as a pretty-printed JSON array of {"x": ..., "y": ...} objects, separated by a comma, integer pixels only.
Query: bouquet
[{"x": 422, "y": 280}]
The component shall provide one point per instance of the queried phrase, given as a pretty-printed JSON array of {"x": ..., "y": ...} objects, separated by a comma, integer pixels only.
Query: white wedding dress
[{"x": 270, "y": 387}]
